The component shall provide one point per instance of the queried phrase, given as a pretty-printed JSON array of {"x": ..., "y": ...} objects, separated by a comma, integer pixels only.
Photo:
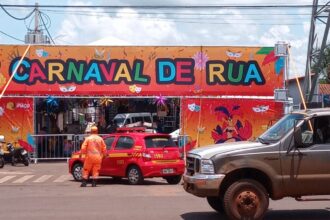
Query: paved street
[{"x": 46, "y": 191}]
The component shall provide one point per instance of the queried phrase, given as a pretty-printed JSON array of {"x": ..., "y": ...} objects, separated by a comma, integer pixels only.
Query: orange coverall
[{"x": 94, "y": 148}]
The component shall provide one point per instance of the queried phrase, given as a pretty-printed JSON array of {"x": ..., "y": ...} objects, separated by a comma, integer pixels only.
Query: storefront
[{"x": 214, "y": 94}]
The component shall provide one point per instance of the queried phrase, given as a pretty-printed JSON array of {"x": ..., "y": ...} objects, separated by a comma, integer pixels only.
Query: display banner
[
  {"x": 141, "y": 71},
  {"x": 16, "y": 115},
  {"x": 210, "y": 121}
]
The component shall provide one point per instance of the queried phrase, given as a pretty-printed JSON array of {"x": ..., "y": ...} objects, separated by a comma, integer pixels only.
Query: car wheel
[
  {"x": 173, "y": 179},
  {"x": 246, "y": 199},
  {"x": 134, "y": 175},
  {"x": 2, "y": 162},
  {"x": 77, "y": 171},
  {"x": 216, "y": 203}
]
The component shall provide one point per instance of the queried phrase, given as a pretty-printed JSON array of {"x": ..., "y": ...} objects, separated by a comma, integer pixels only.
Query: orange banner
[
  {"x": 141, "y": 71},
  {"x": 210, "y": 121},
  {"x": 16, "y": 115}
]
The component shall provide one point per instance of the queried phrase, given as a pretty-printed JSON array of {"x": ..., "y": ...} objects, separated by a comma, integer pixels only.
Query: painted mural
[
  {"x": 16, "y": 116},
  {"x": 140, "y": 71},
  {"x": 213, "y": 121}
]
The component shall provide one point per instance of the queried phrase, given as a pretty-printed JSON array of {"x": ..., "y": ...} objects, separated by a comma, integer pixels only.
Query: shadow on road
[
  {"x": 315, "y": 214},
  {"x": 123, "y": 181}
]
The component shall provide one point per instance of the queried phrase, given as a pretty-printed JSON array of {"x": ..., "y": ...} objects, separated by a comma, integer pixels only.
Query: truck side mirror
[{"x": 297, "y": 137}]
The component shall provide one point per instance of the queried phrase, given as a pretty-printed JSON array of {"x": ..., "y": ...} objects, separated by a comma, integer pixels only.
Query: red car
[{"x": 136, "y": 155}]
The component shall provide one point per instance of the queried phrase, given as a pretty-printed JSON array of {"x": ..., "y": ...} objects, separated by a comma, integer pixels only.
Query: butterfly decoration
[{"x": 98, "y": 54}]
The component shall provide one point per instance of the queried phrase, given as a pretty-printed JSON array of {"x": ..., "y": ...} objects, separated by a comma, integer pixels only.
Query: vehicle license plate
[{"x": 167, "y": 171}]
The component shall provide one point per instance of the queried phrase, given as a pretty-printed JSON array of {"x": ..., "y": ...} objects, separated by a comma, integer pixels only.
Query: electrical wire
[
  {"x": 210, "y": 6},
  {"x": 11, "y": 36},
  {"x": 16, "y": 18},
  {"x": 49, "y": 35}
]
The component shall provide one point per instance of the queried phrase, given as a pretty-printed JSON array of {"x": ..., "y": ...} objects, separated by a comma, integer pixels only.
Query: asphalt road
[{"x": 46, "y": 191}]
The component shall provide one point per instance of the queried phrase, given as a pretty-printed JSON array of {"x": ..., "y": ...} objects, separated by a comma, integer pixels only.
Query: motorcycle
[
  {"x": 18, "y": 155},
  {"x": 2, "y": 159}
]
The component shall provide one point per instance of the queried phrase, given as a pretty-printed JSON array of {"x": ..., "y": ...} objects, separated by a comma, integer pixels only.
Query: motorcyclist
[{"x": 94, "y": 148}]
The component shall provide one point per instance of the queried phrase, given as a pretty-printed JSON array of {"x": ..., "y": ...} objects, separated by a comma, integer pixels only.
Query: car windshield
[
  {"x": 280, "y": 128},
  {"x": 159, "y": 142},
  {"x": 119, "y": 121}
]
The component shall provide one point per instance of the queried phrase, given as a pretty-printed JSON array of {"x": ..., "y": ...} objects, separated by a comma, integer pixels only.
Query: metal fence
[{"x": 56, "y": 146}]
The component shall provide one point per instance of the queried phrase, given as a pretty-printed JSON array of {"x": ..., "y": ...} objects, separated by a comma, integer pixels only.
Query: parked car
[{"x": 136, "y": 155}]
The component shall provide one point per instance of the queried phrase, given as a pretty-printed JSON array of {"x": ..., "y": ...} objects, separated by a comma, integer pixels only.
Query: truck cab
[{"x": 291, "y": 159}]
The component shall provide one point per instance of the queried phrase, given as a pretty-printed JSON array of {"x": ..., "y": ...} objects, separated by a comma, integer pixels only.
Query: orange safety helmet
[{"x": 94, "y": 129}]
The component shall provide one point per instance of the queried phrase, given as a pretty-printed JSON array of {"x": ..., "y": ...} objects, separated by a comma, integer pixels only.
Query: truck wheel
[
  {"x": 173, "y": 179},
  {"x": 246, "y": 199},
  {"x": 77, "y": 171},
  {"x": 134, "y": 175},
  {"x": 216, "y": 203}
]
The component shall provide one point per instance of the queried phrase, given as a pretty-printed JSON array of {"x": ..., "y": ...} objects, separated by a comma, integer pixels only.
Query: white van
[{"x": 133, "y": 119}]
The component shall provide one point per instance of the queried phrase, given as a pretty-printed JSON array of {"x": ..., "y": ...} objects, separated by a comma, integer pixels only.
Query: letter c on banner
[{"x": 20, "y": 76}]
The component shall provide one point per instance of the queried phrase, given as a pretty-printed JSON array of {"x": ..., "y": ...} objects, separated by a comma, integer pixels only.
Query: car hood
[{"x": 225, "y": 148}]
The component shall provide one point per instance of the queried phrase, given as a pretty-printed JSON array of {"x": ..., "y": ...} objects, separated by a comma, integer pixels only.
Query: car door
[
  {"x": 106, "y": 168},
  {"x": 121, "y": 155},
  {"x": 306, "y": 169}
]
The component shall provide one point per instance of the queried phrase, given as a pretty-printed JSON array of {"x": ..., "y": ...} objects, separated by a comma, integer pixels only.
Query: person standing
[{"x": 94, "y": 148}]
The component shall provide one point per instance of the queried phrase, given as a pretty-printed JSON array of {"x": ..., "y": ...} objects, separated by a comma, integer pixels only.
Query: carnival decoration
[
  {"x": 160, "y": 101},
  {"x": 52, "y": 104},
  {"x": 232, "y": 128},
  {"x": 105, "y": 102}
]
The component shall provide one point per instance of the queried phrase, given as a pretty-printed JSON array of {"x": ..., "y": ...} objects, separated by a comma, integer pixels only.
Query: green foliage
[{"x": 324, "y": 69}]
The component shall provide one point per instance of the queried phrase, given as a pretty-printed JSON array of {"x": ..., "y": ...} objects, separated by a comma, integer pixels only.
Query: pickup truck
[{"x": 291, "y": 159}]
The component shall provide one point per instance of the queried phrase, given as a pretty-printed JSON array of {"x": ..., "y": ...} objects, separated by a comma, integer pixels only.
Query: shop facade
[{"x": 213, "y": 94}]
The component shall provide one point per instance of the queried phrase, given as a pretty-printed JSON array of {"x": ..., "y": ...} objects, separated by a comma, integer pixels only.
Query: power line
[
  {"x": 11, "y": 36},
  {"x": 167, "y": 6},
  {"x": 92, "y": 12},
  {"x": 16, "y": 18},
  {"x": 43, "y": 22}
]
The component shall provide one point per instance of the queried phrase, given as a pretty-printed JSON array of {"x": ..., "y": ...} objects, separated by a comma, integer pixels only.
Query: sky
[{"x": 175, "y": 26}]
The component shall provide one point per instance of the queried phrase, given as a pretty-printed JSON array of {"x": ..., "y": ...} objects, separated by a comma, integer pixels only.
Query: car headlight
[{"x": 207, "y": 167}]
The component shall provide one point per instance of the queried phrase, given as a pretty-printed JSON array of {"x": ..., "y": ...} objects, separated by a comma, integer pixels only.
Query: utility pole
[
  {"x": 314, "y": 52},
  {"x": 36, "y": 35}
]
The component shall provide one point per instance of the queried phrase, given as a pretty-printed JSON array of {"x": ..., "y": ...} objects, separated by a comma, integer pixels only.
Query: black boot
[
  {"x": 83, "y": 183},
  {"x": 93, "y": 182}
]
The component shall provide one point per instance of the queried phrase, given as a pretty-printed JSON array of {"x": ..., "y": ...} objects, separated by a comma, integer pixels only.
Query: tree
[{"x": 324, "y": 69}]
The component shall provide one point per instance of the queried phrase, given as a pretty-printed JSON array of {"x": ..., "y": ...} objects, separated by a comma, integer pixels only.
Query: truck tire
[
  {"x": 246, "y": 199},
  {"x": 216, "y": 203}
]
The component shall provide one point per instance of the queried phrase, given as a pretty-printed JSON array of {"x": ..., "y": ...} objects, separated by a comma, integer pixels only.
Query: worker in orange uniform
[{"x": 94, "y": 149}]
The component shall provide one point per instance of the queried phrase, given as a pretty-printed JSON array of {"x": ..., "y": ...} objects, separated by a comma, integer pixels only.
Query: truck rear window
[{"x": 159, "y": 142}]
